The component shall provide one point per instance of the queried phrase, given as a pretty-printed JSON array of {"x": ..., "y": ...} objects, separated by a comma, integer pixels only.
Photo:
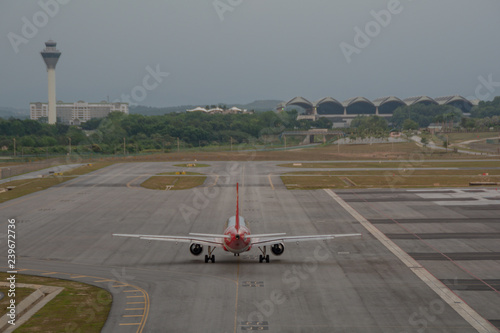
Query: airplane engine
[
  {"x": 196, "y": 249},
  {"x": 278, "y": 249}
]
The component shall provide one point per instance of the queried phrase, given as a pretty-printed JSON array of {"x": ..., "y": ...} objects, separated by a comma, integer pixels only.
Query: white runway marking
[
  {"x": 463, "y": 309},
  {"x": 479, "y": 197}
]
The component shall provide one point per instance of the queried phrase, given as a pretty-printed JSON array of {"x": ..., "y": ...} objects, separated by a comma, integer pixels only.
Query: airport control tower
[{"x": 51, "y": 55}]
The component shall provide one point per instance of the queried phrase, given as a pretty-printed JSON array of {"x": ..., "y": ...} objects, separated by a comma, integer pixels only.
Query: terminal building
[
  {"x": 77, "y": 113},
  {"x": 342, "y": 113}
]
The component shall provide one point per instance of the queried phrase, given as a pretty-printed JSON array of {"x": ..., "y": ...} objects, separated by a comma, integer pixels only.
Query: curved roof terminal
[
  {"x": 329, "y": 106},
  {"x": 383, "y": 100},
  {"x": 351, "y": 101},
  {"x": 451, "y": 99},
  {"x": 327, "y": 100},
  {"x": 419, "y": 99},
  {"x": 300, "y": 101}
]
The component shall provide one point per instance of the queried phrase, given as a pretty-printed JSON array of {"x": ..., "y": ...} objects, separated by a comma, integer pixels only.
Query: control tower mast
[{"x": 51, "y": 55}]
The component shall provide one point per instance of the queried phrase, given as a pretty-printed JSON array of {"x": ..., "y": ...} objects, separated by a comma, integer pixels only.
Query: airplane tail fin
[{"x": 237, "y": 209}]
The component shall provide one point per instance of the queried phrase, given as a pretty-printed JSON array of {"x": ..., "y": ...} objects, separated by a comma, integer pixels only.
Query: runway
[{"x": 335, "y": 286}]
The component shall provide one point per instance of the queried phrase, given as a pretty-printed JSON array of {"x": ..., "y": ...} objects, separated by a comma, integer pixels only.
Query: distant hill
[
  {"x": 262, "y": 105},
  {"x": 155, "y": 111},
  {"x": 6, "y": 113}
]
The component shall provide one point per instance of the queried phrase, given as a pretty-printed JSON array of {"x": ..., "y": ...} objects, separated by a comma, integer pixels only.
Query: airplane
[{"x": 236, "y": 239}]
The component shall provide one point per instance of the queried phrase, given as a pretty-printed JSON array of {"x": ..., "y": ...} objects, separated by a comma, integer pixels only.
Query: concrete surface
[{"x": 337, "y": 286}]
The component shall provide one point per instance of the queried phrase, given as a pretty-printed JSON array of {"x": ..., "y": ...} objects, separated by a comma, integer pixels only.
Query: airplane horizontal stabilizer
[
  {"x": 209, "y": 235},
  {"x": 266, "y": 235}
]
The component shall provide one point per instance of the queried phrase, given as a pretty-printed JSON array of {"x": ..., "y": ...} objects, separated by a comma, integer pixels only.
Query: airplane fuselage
[{"x": 239, "y": 240}]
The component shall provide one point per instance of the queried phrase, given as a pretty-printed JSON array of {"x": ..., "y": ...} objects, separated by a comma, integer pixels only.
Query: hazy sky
[{"x": 237, "y": 51}]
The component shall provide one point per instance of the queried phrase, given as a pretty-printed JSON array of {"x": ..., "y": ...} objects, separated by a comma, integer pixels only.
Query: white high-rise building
[{"x": 77, "y": 113}]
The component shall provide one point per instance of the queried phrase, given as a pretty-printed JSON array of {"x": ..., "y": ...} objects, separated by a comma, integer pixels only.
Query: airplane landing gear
[
  {"x": 263, "y": 256},
  {"x": 210, "y": 256}
]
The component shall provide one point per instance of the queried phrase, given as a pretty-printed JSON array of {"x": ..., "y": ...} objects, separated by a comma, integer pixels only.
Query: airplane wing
[
  {"x": 264, "y": 241},
  {"x": 202, "y": 239}
]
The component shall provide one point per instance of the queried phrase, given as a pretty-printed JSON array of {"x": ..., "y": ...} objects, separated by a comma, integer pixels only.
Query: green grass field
[
  {"x": 78, "y": 308},
  {"x": 401, "y": 164},
  {"x": 387, "y": 179},
  {"x": 27, "y": 186},
  {"x": 180, "y": 182},
  {"x": 173, "y": 173},
  {"x": 192, "y": 165},
  {"x": 21, "y": 293}
]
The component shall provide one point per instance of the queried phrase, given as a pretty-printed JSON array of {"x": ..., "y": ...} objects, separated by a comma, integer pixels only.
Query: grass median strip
[
  {"x": 192, "y": 165},
  {"x": 84, "y": 169},
  {"x": 385, "y": 179},
  {"x": 178, "y": 182},
  {"x": 173, "y": 173},
  {"x": 21, "y": 293},
  {"x": 79, "y": 307},
  {"x": 395, "y": 164},
  {"x": 26, "y": 186},
  {"x": 400, "y": 172}
]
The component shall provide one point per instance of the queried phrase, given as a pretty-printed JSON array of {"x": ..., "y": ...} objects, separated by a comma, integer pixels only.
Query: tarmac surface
[{"x": 436, "y": 270}]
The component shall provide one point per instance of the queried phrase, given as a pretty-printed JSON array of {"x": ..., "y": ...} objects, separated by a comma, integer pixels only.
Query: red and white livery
[{"x": 236, "y": 239}]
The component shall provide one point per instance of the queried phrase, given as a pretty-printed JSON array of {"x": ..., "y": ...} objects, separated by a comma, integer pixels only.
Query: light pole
[
  {"x": 69, "y": 146},
  {"x": 123, "y": 146},
  {"x": 14, "y": 147}
]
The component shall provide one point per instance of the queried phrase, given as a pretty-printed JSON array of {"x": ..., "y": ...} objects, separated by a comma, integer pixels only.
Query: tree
[
  {"x": 369, "y": 126},
  {"x": 439, "y": 119},
  {"x": 27, "y": 141},
  {"x": 424, "y": 115},
  {"x": 487, "y": 109},
  {"x": 410, "y": 125},
  {"x": 322, "y": 123},
  {"x": 450, "y": 116}
]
